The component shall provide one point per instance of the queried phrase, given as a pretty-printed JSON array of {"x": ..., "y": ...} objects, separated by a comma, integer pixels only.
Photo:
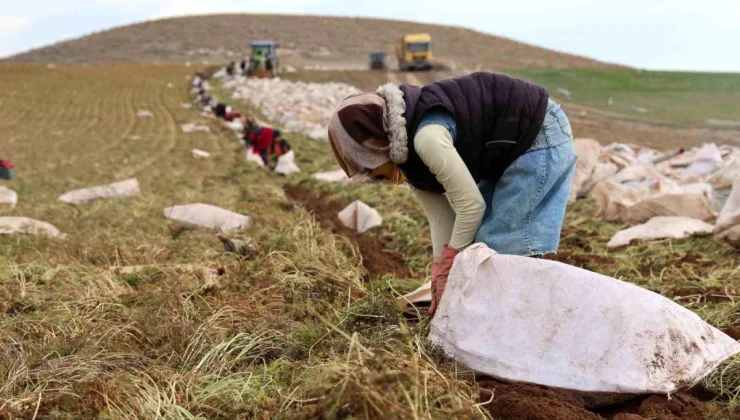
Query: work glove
[{"x": 439, "y": 281}]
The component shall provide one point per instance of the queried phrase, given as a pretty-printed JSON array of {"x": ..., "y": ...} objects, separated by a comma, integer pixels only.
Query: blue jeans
[{"x": 525, "y": 209}]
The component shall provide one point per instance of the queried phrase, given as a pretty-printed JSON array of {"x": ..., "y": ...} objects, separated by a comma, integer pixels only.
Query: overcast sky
[{"x": 651, "y": 34}]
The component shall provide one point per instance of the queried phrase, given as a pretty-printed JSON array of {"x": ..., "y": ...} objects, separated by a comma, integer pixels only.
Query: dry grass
[{"x": 291, "y": 332}]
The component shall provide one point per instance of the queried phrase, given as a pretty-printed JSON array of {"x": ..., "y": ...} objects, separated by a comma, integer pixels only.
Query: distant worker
[
  {"x": 269, "y": 145},
  {"x": 490, "y": 157},
  {"x": 230, "y": 68}
]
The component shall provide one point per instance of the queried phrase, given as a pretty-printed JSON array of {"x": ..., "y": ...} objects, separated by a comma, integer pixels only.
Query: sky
[{"x": 649, "y": 34}]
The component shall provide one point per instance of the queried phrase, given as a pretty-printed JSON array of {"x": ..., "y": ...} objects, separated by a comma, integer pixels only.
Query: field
[
  {"x": 302, "y": 324},
  {"x": 684, "y": 99}
]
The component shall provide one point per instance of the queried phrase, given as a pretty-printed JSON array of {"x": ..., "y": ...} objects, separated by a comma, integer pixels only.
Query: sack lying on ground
[
  {"x": 532, "y": 320},
  {"x": 200, "y": 154},
  {"x": 729, "y": 217},
  {"x": 696, "y": 206},
  {"x": 707, "y": 160},
  {"x": 254, "y": 158},
  {"x": 360, "y": 217},
  {"x": 207, "y": 216},
  {"x": 613, "y": 199},
  {"x": 727, "y": 175},
  {"x": 331, "y": 176},
  {"x": 24, "y": 225},
  {"x": 663, "y": 227},
  {"x": 191, "y": 128},
  {"x": 126, "y": 188},
  {"x": 286, "y": 164},
  {"x": 8, "y": 196},
  {"x": 588, "y": 151},
  {"x": 601, "y": 172}
]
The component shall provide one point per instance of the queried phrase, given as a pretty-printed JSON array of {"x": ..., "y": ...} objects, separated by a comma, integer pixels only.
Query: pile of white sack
[
  {"x": 634, "y": 184},
  {"x": 299, "y": 106}
]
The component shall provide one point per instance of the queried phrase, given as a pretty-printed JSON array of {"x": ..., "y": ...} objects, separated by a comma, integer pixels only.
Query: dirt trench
[
  {"x": 533, "y": 402},
  {"x": 376, "y": 260}
]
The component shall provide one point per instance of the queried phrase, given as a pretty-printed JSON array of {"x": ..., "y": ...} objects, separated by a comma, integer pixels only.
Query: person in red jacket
[{"x": 264, "y": 143}]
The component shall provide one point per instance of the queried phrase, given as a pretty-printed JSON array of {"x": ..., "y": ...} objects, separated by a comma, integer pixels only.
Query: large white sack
[
  {"x": 208, "y": 216},
  {"x": 727, "y": 175},
  {"x": 601, "y": 172},
  {"x": 588, "y": 151},
  {"x": 360, "y": 217},
  {"x": 531, "y": 320},
  {"x": 8, "y": 196},
  {"x": 613, "y": 199},
  {"x": 331, "y": 176},
  {"x": 662, "y": 227},
  {"x": 696, "y": 206},
  {"x": 707, "y": 161},
  {"x": 254, "y": 158},
  {"x": 730, "y": 215},
  {"x": 26, "y": 226},
  {"x": 125, "y": 188},
  {"x": 286, "y": 164},
  {"x": 703, "y": 188}
]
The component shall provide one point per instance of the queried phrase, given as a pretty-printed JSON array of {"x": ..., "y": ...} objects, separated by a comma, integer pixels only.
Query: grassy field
[
  {"x": 294, "y": 328},
  {"x": 681, "y": 98}
]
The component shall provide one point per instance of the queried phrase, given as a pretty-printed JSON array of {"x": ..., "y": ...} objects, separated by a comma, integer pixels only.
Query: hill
[{"x": 304, "y": 40}]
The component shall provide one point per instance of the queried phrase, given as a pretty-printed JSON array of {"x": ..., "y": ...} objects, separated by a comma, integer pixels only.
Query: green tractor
[{"x": 263, "y": 62}]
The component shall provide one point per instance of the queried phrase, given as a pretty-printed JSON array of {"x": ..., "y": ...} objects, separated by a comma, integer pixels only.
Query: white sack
[
  {"x": 143, "y": 113},
  {"x": 707, "y": 161},
  {"x": 235, "y": 125},
  {"x": 331, "y": 176},
  {"x": 208, "y": 216},
  {"x": 8, "y": 196},
  {"x": 254, "y": 158},
  {"x": 727, "y": 175},
  {"x": 186, "y": 106},
  {"x": 588, "y": 151},
  {"x": 601, "y": 172},
  {"x": 360, "y": 217},
  {"x": 531, "y": 320},
  {"x": 24, "y": 225},
  {"x": 423, "y": 294},
  {"x": 286, "y": 164},
  {"x": 731, "y": 235},
  {"x": 126, "y": 188},
  {"x": 696, "y": 206},
  {"x": 613, "y": 199},
  {"x": 703, "y": 188},
  {"x": 729, "y": 217},
  {"x": 663, "y": 227},
  {"x": 198, "y": 154},
  {"x": 191, "y": 128}
]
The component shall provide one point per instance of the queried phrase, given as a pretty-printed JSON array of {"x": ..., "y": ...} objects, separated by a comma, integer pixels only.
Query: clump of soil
[
  {"x": 376, "y": 260},
  {"x": 586, "y": 261},
  {"x": 532, "y": 402}
]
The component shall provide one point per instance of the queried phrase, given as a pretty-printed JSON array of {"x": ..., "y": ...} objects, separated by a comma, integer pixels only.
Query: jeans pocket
[{"x": 564, "y": 123}]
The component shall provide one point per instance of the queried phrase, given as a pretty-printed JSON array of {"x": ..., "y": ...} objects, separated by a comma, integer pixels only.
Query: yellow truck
[{"x": 414, "y": 52}]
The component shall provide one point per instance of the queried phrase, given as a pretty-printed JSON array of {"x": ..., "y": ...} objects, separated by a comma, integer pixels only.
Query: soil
[
  {"x": 533, "y": 402},
  {"x": 375, "y": 258},
  {"x": 587, "y": 261}
]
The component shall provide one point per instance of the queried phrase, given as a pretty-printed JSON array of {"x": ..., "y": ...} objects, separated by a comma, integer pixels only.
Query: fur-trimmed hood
[{"x": 394, "y": 123}]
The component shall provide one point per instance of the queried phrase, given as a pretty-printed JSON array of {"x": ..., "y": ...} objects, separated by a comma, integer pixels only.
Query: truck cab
[{"x": 414, "y": 52}]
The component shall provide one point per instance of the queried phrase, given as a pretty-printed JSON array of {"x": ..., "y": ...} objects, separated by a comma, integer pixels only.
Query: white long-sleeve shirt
[{"x": 455, "y": 216}]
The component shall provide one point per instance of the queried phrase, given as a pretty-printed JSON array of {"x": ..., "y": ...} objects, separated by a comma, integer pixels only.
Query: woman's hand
[{"x": 439, "y": 279}]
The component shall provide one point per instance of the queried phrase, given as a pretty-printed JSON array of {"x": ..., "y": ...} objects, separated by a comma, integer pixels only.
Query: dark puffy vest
[{"x": 498, "y": 118}]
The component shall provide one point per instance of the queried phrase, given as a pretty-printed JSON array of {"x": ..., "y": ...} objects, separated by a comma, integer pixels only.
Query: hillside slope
[{"x": 305, "y": 40}]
